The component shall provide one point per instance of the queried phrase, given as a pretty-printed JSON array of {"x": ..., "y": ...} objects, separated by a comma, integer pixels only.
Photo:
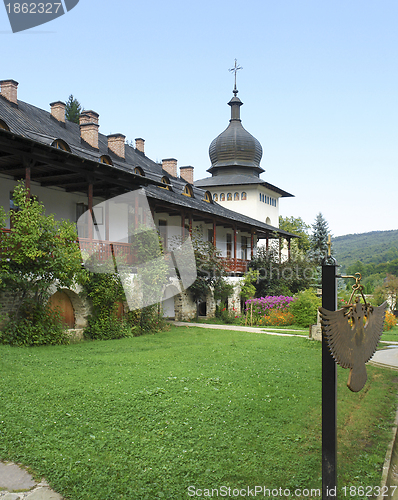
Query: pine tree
[
  {"x": 73, "y": 109},
  {"x": 319, "y": 239}
]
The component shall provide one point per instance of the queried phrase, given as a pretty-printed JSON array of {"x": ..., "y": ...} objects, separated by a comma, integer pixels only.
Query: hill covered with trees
[{"x": 373, "y": 254}]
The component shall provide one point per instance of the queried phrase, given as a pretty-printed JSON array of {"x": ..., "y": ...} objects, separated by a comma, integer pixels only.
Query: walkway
[{"x": 237, "y": 328}]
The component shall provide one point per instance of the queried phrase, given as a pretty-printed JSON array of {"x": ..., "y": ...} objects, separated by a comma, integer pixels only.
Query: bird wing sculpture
[{"x": 352, "y": 336}]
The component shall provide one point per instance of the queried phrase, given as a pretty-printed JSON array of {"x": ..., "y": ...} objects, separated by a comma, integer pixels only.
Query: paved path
[
  {"x": 386, "y": 357},
  {"x": 17, "y": 484},
  {"x": 237, "y": 328}
]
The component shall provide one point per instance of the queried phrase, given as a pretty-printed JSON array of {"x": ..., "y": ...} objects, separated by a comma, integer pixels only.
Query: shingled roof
[{"x": 32, "y": 134}]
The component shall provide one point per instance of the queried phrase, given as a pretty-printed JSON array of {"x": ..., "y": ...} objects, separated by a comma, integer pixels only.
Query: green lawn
[
  {"x": 148, "y": 417},
  {"x": 391, "y": 335}
]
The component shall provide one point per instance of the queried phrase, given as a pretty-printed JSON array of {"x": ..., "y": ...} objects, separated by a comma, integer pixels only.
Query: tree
[
  {"x": 73, "y": 109},
  {"x": 37, "y": 253},
  {"x": 297, "y": 226},
  {"x": 210, "y": 271},
  {"x": 319, "y": 239},
  {"x": 282, "y": 278}
]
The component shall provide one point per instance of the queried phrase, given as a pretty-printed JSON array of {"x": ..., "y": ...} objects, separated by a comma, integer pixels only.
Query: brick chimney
[
  {"x": 89, "y": 128},
  {"x": 116, "y": 143},
  {"x": 58, "y": 111},
  {"x": 140, "y": 145},
  {"x": 170, "y": 166},
  {"x": 186, "y": 173},
  {"x": 9, "y": 90}
]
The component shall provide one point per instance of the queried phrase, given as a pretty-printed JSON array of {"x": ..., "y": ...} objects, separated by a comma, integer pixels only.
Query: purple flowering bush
[{"x": 271, "y": 309}]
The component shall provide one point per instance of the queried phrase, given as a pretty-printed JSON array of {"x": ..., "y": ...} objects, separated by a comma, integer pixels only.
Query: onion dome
[{"x": 235, "y": 147}]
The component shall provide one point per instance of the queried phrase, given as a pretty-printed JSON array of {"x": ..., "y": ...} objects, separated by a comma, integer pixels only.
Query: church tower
[{"x": 235, "y": 181}]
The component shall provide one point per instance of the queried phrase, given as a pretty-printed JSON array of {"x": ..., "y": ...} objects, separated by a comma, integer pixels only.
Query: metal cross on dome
[{"x": 235, "y": 69}]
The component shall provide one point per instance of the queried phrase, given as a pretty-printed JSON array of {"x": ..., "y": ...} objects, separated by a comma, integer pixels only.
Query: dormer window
[
  {"x": 187, "y": 191},
  {"x": 139, "y": 171},
  {"x": 106, "y": 159},
  {"x": 207, "y": 197},
  {"x": 60, "y": 144},
  {"x": 4, "y": 126},
  {"x": 166, "y": 183}
]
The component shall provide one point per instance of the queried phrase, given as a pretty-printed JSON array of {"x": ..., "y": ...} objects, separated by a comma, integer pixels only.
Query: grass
[
  {"x": 391, "y": 335},
  {"x": 147, "y": 417}
]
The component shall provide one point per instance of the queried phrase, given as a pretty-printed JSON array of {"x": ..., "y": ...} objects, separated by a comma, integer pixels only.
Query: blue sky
[{"x": 319, "y": 86}]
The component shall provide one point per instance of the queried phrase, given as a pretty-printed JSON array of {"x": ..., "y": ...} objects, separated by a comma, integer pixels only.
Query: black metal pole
[{"x": 329, "y": 389}]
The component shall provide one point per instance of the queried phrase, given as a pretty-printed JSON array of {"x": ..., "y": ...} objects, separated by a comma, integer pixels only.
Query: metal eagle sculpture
[{"x": 352, "y": 334}]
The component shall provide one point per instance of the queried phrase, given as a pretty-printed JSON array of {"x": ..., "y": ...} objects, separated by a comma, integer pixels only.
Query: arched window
[
  {"x": 236, "y": 196},
  {"x": 106, "y": 159},
  {"x": 4, "y": 126},
  {"x": 260, "y": 196},
  {"x": 187, "y": 191},
  {"x": 268, "y": 220},
  {"x": 166, "y": 183},
  {"x": 207, "y": 197},
  {"x": 222, "y": 197},
  {"x": 229, "y": 197},
  {"x": 139, "y": 171},
  {"x": 215, "y": 197},
  {"x": 243, "y": 196},
  {"x": 60, "y": 144}
]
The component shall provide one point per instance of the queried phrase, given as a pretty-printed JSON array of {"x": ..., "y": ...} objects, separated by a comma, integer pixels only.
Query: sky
[{"x": 319, "y": 85}]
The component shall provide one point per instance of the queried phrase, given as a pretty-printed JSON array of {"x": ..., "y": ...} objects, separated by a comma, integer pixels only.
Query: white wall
[{"x": 252, "y": 206}]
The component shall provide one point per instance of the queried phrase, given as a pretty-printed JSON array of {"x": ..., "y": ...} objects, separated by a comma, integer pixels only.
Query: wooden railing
[
  {"x": 105, "y": 250},
  {"x": 231, "y": 266}
]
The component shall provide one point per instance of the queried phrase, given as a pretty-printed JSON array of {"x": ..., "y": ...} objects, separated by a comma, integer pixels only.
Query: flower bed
[{"x": 270, "y": 310}]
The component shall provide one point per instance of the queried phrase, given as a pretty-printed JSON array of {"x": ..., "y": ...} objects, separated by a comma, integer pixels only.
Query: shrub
[
  {"x": 224, "y": 314},
  {"x": 277, "y": 317},
  {"x": 390, "y": 321},
  {"x": 35, "y": 325},
  {"x": 263, "y": 306},
  {"x": 305, "y": 308}
]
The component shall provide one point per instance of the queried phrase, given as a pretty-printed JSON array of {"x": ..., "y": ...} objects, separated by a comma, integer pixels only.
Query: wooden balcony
[
  {"x": 238, "y": 266},
  {"x": 105, "y": 250}
]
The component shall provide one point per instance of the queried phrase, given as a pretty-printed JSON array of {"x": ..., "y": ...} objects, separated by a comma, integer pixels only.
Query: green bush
[
  {"x": 36, "y": 325},
  {"x": 106, "y": 328},
  {"x": 305, "y": 308},
  {"x": 226, "y": 316}
]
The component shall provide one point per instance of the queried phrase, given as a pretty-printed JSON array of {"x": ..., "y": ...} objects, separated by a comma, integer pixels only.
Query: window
[
  {"x": 210, "y": 235},
  {"x": 60, "y": 144},
  {"x": 207, "y": 197},
  {"x": 81, "y": 209},
  {"x": 243, "y": 196},
  {"x": 243, "y": 248},
  {"x": 229, "y": 245},
  {"x": 260, "y": 196},
  {"x": 222, "y": 197},
  {"x": 229, "y": 197},
  {"x": 139, "y": 171},
  {"x": 188, "y": 191},
  {"x": 236, "y": 196},
  {"x": 3, "y": 125},
  {"x": 163, "y": 233},
  {"x": 166, "y": 183},
  {"x": 106, "y": 159},
  {"x": 215, "y": 197}
]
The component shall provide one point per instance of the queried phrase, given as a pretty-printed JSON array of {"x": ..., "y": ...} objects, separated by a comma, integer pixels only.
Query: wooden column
[
  {"x": 183, "y": 225},
  {"x": 27, "y": 180},
  {"x": 107, "y": 220},
  {"x": 235, "y": 249},
  {"x": 267, "y": 242},
  {"x": 90, "y": 208},
  {"x": 280, "y": 250},
  {"x": 252, "y": 244},
  {"x": 190, "y": 225},
  {"x": 136, "y": 221},
  {"x": 288, "y": 248}
]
